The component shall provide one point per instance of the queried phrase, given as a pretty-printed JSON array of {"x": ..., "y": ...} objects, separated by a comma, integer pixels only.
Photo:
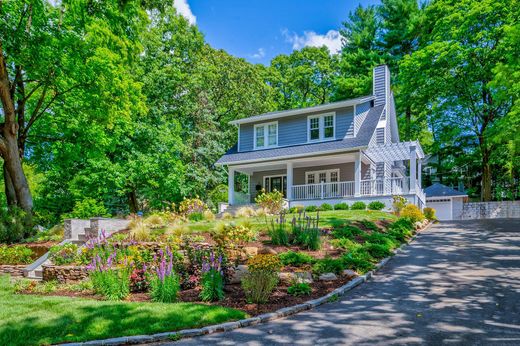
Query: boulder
[
  {"x": 238, "y": 274},
  {"x": 267, "y": 251},
  {"x": 250, "y": 251},
  {"x": 350, "y": 273},
  {"x": 328, "y": 277},
  {"x": 289, "y": 278}
]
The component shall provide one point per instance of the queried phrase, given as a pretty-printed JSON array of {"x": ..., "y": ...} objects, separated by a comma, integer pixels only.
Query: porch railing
[
  {"x": 386, "y": 186},
  {"x": 323, "y": 190}
]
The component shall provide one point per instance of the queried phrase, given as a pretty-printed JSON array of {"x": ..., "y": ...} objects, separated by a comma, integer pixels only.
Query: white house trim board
[
  {"x": 265, "y": 127},
  {"x": 321, "y": 127}
]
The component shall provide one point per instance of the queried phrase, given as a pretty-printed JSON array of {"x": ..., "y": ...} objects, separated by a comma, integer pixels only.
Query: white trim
[
  {"x": 266, "y": 135},
  {"x": 353, "y": 123},
  {"x": 320, "y": 108},
  {"x": 321, "y": 127},
  {"x": 238, "y": 145},
  {"x": 326, "y": 171}
]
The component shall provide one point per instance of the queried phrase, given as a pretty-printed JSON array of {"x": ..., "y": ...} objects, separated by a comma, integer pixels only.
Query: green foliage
[
  {"x": 358, "y": 260},
  {"x": 299, "y": 289},
  {"x": 345, "y": 244},
  {"x": 189, "y": 206},
  {"x": 402, "y": 229},
  {"x": 381, "y": 238},
  {"x": 429, "y": 213},
  {"x": 291, "y": 258},
  {"x": 370, "y": 225},
  {"x": 272, "y": 202},
  {"x": 311, "y": 208},
  {"x": 164, "y": 290},
  {"x": 311, "y": 239},
  {"x": 398, "y": 203},
  {"x": 358, "y": 206},
  {"x": 328, "y": 265},
  {"x": 196, "y": 216},
  {"x": 296, "y": 209},
  {"x": 412, "y": 212},
  {"x": 232, "y": 235},
  {"x": 63, "y": 254},
  {"x": 112, "y": 284},
  {"x": 86, "y": 209},
  {"x": 378, "y": 251},
  {"x": 376, "y": 205},
  {"x": 326, "y": 207},
  {"x": 341, "y": 206},
  {"x": 16, "y": 254},
  {"x": 212, "y": 283},
  {"x": 219, "y": 194},
  {"x": 347, "y": 232},
  {"x": 278, "y": 231},
  {"x": 15, "y": 225},
  {"x": 261, "y": 279}
]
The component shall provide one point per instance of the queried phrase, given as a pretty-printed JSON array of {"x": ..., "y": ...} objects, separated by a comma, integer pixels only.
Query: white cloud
[
  {"x": 260, "y": 53},
  {"x": 332, "y": 39},
  {"x": 183, "y": 8}
]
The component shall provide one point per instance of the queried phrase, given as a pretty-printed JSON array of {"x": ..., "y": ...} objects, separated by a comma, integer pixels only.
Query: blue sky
[{"x": 259, "y": 30}]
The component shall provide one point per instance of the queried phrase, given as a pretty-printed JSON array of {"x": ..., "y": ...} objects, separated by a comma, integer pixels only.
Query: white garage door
[{"x": 442, "y": 208}]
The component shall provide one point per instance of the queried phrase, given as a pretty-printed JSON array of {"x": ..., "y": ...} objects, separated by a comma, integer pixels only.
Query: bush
[
  {"x": 15, "y": 225},
  {"x": 378, "y": 251},
  {"x": 16, "y": 254},
  {"x": 341, "y": 206},
  {"x": 154, "y": 221},
  {"x": 63, "y": 254},
  {"x": 326, "y": 207},
  {"x": 192, "y": 205},
  {"x": 328, "y": 265},
  {"x": 345, "y": 244},
  {"x": 278, "y": 231},
  {"x": 311, "y": 238},
  {"x": 380, "y": 238},
  {"x": 296, "y": 209},
  {"x": 398, "y": 203},
  {"x": 358, "y": 260},
  {"x": 226, "y": 216},
  {"x": 208, "y": 215},
  {"x": 376, "y": 205},
  {"x": 299, "y": 289},
  {"x": 291, "y": 258},
  {"x": 245, "y": 212},
  {"x": 402, "y": 229},
  {"x": 196, "y": 216},
  {"x": 261, "y": 279},
  {"x": 212, "y": 280},
  {"x": 272, "y": 202},
  {"x": 140, "y": 232},
  {"x": 358, "y": 206},
  {"x": 347, "y": 232},
  {"x": 429, "y": 213},
  {"x": 311, "y": 208},
  {"x": 370, "y": 225},
  {"x": 231, "y": 235},
  {"x": 412, "y": 212},
  {"x": 217, "y": 195},
  {"x": 87, "y": 208}
]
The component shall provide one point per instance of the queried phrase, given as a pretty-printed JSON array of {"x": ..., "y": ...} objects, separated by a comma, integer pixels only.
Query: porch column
[
  {"x": 419, "y": 173},
  {"x": 289, "y": 181},
  {"x": 231, "y": 185},
  {"x": 413, "y": 168},
  {"x": 357, "y": 175}
]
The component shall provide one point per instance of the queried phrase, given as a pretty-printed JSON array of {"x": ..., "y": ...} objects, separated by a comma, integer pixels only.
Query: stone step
[{"x": 82, "y": 237}]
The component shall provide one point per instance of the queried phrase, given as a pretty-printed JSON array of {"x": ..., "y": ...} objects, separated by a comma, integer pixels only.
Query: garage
[{"x": 446, "y": 201}]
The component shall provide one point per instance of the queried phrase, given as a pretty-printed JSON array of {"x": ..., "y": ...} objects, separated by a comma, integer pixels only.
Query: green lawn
[
  {"x": 327, "y": 219},
  {"x": 37, "y": 320}
]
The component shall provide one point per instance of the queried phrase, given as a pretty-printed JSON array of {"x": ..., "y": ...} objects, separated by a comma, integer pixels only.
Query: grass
[{"x": 43, "y": 320}]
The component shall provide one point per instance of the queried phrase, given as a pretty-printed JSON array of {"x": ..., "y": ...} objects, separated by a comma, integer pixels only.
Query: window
[
  {"x": 266, "y": 135},
  {"x": 328, "y": 176},
  {"x": 321, "y": 127}
]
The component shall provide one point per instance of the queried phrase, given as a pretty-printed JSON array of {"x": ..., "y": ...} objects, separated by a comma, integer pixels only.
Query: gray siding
[
  {"x": 381, "y": 84},
  {"x": 293, "y": 130}
]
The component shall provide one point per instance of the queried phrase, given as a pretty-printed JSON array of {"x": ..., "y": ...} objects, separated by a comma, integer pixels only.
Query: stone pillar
[
  {"x": 231, "y": 186},
  {"x": 413, "y": 168},
  {"x": 289, "y": 181},
  {"x": 357, "y": 175}
]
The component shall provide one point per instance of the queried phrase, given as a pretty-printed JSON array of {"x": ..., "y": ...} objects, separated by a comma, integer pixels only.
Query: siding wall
[
  {"x": 381, "y": 84},
  {"x": 293, "y": 130}
]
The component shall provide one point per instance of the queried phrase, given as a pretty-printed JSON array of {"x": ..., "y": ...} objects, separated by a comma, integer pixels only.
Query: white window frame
[
  {"x": 266, "y": 135},
  {"x": 317, "y": 175},
  {"x": 321, "y": 127}
]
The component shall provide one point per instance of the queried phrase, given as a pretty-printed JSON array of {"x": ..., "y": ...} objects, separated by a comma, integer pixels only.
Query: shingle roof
[
  {"x": 440, "y": 190},
  {"x": 361, "y": 140}
]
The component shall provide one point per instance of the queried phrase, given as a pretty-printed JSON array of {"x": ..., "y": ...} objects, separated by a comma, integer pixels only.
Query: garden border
[{"x": 270, "y": 316}]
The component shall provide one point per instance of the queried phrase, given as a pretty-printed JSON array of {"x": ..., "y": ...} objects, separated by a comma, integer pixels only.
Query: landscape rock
[
  {"x": 238, "y": 274},
  {"x": 350, "y": 273},
  {"x": 328, "y": 277},
  {"x": 267, "y": 251},
  {"x": 250, "y": 251},
  {"x": 289, "y": 278}
]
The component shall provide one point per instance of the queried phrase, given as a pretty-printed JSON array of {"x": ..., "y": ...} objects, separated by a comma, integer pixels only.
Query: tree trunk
[
  {"x": 486, "y": 176},
  {"x": 10, "y": 194},
  {"x": 13, "y": 165},
  {"x": 132, "y": 202}
]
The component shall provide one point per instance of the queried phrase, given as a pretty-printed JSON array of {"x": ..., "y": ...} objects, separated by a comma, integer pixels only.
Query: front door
[{"x": 278, "y": 183}]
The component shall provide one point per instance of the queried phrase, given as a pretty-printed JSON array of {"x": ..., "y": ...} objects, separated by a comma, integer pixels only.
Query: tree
[{"x": 451, "y": 71}]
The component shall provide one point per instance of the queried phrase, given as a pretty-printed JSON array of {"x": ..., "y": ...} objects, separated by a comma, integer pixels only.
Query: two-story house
[{"x": 337, "y": 152}]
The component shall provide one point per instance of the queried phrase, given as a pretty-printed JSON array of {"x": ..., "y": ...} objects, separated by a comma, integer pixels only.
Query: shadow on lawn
[{"x": 457, "y": 283}]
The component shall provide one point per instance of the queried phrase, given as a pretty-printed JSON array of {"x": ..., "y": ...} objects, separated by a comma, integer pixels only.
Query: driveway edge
[{"x": 271, "y": 316}]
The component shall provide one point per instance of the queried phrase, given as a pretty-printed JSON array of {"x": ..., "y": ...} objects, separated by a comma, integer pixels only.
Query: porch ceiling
[{"x": 393, "y": 151}]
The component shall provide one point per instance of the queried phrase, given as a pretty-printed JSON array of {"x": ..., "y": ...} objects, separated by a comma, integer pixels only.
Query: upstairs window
[
  {"x": 321, "y": 127},
  {"x": 266, "y": 135}
]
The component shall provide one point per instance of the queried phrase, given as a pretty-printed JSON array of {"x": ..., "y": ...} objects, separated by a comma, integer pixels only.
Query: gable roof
[
  {"x": 291, "y": 112},
  {"x": 440, "y": 190},
  {"x": 348, "y": 143}
]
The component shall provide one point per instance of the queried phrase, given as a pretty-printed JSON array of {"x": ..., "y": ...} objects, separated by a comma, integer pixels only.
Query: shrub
[
  {"x": 358, "y": 260},
  {"x": 326, "y": 207},
  {"x": 245, "y": 212},
  {"x": 208, "y": 215},
  {"x": 196, "y": 216},
  {"x": 345, "y": 244},
  {"x": 15, "y": 225},
  {"x": 87, "y": 208},
  {"x": 429, "y": 213},
  {"x": 296, "y": 209},
  {"x": 311, "y": 208},
  {"x": 260, "y": 212},
  {"x": 164, "y": 284},
  {"x": 192, "y": 205},
  {"x": 306, "y": 232},
  {"x": 231, "y": 235},
  {"x": 278, "y": 231},
  {"x": 378, "y": 251},
  {"x": 217, "y": 195},
  {"x": 262, "y": 278},
  {"x": 347, "y": 232},
  {"x": 154, "y": 221},
  {"x": 63, "y": 254},
  {"x": 212, "y": 280},
  {"x": 140, "y": 232},
  {"x": 401, "y": 229},
  {"x": 341, "y": 206},
  {"x": 291, "y": 258},
  {"x": 380, "y": 238},
  {"x": 299, "y": 289},
  {"x": 376, "y": 205},
  {"x": 328, "y": 265},
  {"x": 398, "y": 203},
  {"x": 413, "y": 212},
  {"x": 370, "y": 225},
  {"x": 311, "y": 239},
  {"x": 358, "y": 206},
  {"x": 16, "y": 254},
  {"x": 226, "y": 216},
  {"x": 272, "y": 202}
]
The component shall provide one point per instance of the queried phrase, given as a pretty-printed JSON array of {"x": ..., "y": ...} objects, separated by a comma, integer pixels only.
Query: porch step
[{"x": 232, "y": 209}]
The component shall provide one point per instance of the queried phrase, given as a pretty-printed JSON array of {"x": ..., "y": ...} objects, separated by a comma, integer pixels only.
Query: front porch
[{"x": 364, "y": 174}]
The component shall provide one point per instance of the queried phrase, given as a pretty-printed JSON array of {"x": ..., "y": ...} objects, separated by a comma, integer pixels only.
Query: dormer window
[
  {"x": 321, "y": 127},
  {"x": 266, "y": 135}
]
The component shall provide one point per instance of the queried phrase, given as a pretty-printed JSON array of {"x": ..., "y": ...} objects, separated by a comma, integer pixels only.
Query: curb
[{"x": 224, "y": 327}]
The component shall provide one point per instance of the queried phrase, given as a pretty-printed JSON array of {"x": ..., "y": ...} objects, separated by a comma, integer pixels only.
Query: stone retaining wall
[
  {"x": 64, "y": 274},
  {"x": 12, "y": 269},
  {"x": 490, "y": 210}
]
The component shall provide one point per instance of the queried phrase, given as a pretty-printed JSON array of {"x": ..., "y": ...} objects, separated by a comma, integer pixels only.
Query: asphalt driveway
[{"x": 457, "y": 283}]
